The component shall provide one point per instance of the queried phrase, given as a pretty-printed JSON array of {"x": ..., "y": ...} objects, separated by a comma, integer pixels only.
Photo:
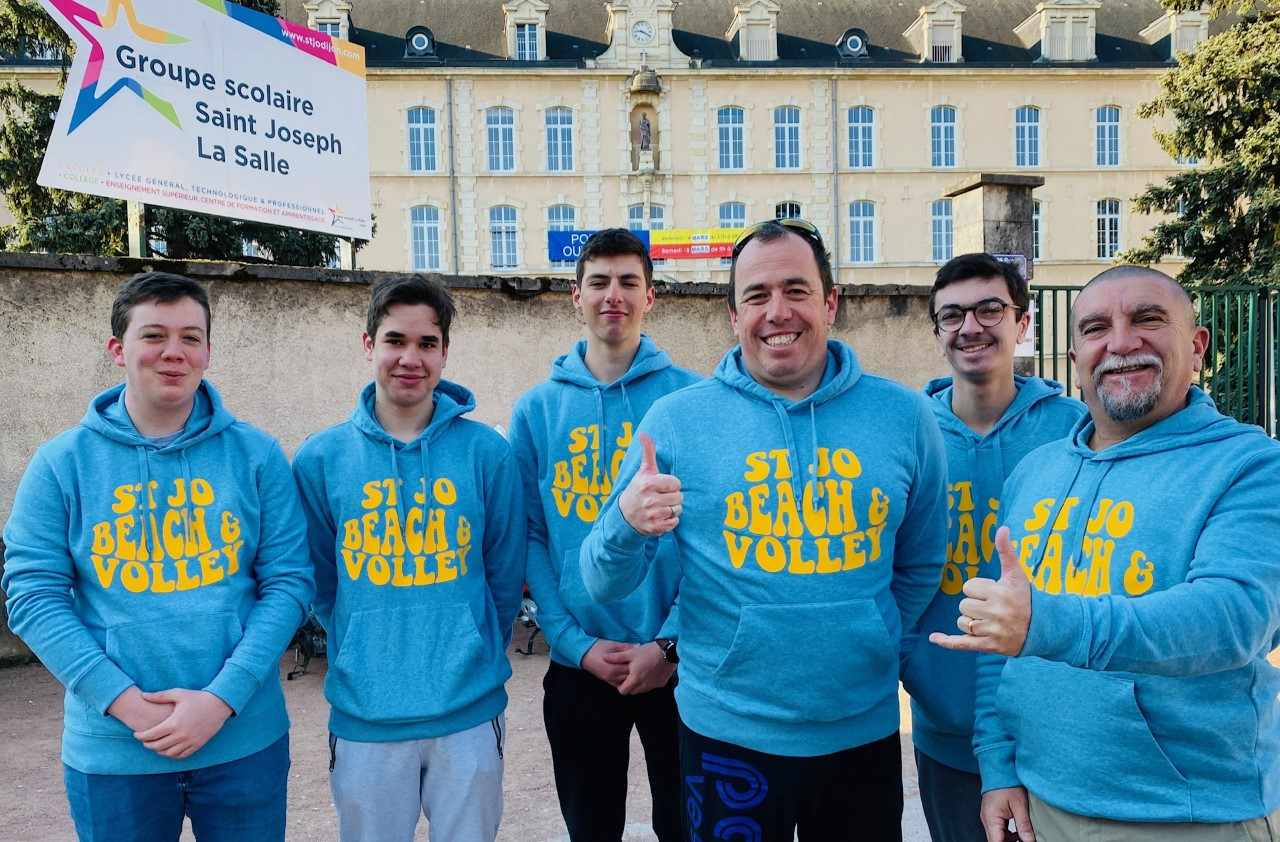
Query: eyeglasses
[
  {"x": 795, "y": 223},
  {"x": 988, "y": 313}
]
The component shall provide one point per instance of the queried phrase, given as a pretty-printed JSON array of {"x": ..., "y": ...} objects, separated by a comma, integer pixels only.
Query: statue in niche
[{"x": 646, "y": 137}]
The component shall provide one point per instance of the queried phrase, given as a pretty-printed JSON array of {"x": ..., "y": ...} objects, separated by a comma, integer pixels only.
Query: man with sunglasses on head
[
  {"x": 990, "y": 420},
  {"x": 806, "y": 500}
]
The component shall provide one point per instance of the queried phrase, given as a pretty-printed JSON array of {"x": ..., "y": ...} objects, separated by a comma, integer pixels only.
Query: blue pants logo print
[{"x": 739, "y": 786}]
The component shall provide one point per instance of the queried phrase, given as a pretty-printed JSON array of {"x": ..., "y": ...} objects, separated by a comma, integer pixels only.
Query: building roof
[{"x": 473, "y": 31}]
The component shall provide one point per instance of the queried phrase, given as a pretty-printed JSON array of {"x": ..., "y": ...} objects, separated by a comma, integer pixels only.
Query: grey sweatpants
[{"x": 455, "y": 781}]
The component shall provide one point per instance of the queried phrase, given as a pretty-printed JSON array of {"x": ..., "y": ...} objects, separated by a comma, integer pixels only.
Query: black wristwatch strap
[{"x": 668, "y": 647}]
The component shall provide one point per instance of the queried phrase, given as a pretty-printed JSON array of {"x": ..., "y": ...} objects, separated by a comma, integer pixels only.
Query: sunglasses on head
[{"x": 795, "y": 223}]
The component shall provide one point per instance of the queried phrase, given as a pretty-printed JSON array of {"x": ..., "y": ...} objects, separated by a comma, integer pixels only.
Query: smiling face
[
  {"x": 781, "y": 316},
  {"x": 408, "y": 356},
  {"x": 613, "y": 298},
  {"x": 977, "y": 353},
  {"x": 1137, "y": 350},
  {"x": 164, "y": 352}
]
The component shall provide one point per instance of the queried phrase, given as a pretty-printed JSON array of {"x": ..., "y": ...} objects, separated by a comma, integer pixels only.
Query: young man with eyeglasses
[
  {"x": 807, "y": 504},
  {"x": 990, "y": 420},
  {"x": 612, "y": 666}
]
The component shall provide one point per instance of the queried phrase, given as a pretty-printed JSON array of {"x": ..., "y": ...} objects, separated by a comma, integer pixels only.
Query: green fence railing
[{"x": 1240, "y": 365}]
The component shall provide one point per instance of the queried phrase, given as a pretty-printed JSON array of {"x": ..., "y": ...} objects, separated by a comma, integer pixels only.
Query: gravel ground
[{"x": 33, "y": 804}]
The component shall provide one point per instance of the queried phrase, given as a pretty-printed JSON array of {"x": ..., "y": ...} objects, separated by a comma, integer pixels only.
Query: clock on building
[{"x": 642, "y": 32}]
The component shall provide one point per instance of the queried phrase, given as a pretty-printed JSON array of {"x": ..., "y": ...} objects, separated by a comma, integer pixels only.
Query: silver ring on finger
[{"x": 673, "y": 512}]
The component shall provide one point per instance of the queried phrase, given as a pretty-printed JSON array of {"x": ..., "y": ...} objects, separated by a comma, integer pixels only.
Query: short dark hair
[
  {"x": 161, "y": 287},
  {"x": 610, "y": 242},
  {"x": 979, "y": 264},
  {"x": 410, "y": 289},
  {"x": 775, "y": 230}
]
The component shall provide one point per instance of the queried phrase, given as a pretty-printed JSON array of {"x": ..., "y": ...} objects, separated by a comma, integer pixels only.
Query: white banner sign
[{"x": 207, "y": 106}]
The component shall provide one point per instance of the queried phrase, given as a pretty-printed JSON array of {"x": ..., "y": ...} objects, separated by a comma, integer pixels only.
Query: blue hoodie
[
  {"x": 939, "y": 680},
  {"x": 1143, "y": 692},
  {"x": 569, "y": 435},
  {"x": 417, "y": 593},
  {"x": 206, "y": 596},
  {"x": 796, "y": 588}
]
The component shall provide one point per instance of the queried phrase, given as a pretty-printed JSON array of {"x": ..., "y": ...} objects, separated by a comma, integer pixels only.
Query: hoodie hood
[
  {"x": 1198, "y": 422},
  {"x": 108, "y": 416},
  {"x": 841, "y": 374},
  {"x": 572, "y": 367},
  {"x": 1009, "y": 432},
  {"x": 451, "y": 400}
]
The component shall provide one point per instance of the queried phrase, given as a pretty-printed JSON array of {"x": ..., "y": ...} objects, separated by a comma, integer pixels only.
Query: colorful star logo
[{"x": 75, "y": 16}]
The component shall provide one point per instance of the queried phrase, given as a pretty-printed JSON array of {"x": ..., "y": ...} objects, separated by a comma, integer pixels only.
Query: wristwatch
[{"x": 668, "y": 647}]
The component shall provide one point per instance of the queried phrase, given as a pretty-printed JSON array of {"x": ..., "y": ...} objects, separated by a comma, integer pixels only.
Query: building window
[
  {"x": 730, "y": 122},
  {"x": 422, "y": 140},
  {"x": 1027, "y": 136},
  {"x": 940, "y": 216},
  {"x": 1108, "y": 137},
  {"x": 503, "y": 246},
  {"x": 561, "y": 218},
  {"x": 862, "y": 232},
  {"x": 1037, "y": 226},
  {"x": 1108, "y": 228},
  {"x": 526, "y": 42},
  {"x": 942, "y": 136},
  {"x": 1188, "y": 161},
  {"x": 500, "y": 123},
  {"x": 732, "y": 215},
  {"x": 637, "y": 222},
  {"x": 330, "y": 27},
  {"x": 788, "y": 210},
  {"x": 424, "y": 237},
  {"x": 861, "y": 124},
  {"x": 559, "y": 140},
  {"x": 786, "y": 138}
]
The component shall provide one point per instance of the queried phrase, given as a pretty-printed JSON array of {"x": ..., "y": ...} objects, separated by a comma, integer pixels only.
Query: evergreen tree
[
  {"x": 50, "y": 220},
  {"x": 1225, "y": 211}
]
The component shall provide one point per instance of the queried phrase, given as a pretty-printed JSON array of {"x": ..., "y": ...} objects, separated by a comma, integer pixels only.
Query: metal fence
[{"x": 1240, "y": 366}]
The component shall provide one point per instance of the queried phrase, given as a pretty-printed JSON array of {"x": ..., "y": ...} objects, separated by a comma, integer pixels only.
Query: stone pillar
[{"x": 991, "y": 212}]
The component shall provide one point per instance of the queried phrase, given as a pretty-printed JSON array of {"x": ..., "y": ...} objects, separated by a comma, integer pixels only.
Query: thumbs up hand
[
  {"x": 652, "y": 501},
  {"x": 994, "y": 615}
]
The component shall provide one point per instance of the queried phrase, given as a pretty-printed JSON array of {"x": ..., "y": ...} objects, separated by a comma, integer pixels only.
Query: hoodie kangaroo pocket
[
  {"x": 187, "y": 651},
  {"x": 1082, "y": 739},
  {"x": 410, "y": 664},
  {"x": 823, "y": 662},
  {"x": 161, "y": 654}
]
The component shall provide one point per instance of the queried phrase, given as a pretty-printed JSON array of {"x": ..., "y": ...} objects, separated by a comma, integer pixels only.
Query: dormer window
[
  {"x": 1064, "y": 29},
  {"x": 936, "y": 33},
  {"x": 332, "y": 17},
  {"x": 526, "y": 29},
  {"x": 755, "y": 27},
  {"x": 1178, "y": 32}
]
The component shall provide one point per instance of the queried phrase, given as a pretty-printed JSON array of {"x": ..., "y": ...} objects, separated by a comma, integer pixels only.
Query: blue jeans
[
  {"x": 951, "y": 800},
  {"x": 239, "y": 801}
]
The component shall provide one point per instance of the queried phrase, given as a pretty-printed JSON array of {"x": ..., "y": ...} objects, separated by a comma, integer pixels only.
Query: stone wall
[{"x": 286, "y": 352}]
